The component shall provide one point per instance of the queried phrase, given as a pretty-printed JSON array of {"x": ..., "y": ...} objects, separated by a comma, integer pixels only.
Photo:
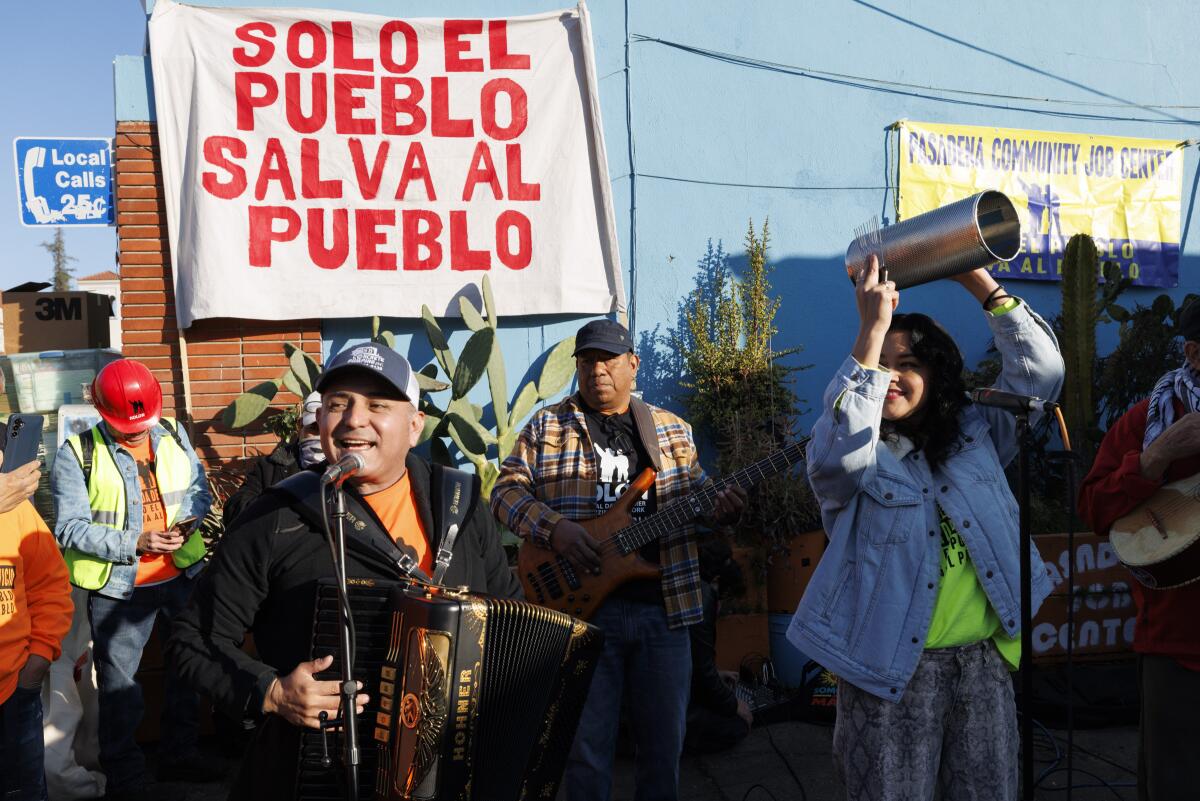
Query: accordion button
[
  {"x": 587, "y": 598},
  {"x": 388, "y": 673},
  {"x": 578, "y": 611},
  {"x": 571, "y": 599},
  {"x": 383, "y": 719},
  {"x": 387, "y": 688}
]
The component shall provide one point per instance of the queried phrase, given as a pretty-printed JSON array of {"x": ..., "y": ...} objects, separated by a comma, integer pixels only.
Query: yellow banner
[{"x": 1124, "y": 192}]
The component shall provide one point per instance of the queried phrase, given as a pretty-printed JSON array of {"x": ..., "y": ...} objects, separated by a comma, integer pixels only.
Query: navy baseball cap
[
  {"x": 605, "y": 335},
  {"x": 375, "y": 358}
]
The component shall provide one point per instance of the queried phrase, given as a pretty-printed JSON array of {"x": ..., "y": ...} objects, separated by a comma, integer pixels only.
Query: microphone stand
[
  {"x": 1024, "y": 444},
  {"x": 349, "y": 687}
]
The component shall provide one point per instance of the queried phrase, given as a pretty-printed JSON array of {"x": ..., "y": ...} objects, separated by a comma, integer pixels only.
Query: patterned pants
[{"x": 955, "y": 728}]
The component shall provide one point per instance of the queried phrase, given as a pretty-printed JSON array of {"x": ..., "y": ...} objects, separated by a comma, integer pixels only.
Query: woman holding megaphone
[{"x": 916, "y": 604}]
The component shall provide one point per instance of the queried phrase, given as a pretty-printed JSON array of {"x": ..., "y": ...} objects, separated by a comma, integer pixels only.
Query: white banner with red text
[{"x": 334, "y": 164}]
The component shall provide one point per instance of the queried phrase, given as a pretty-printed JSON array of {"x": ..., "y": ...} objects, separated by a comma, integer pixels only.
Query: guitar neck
[{"x": 703, "y": 501}]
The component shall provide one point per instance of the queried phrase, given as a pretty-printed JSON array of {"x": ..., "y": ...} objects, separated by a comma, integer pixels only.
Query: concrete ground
[{"x": 791, "y": 761}]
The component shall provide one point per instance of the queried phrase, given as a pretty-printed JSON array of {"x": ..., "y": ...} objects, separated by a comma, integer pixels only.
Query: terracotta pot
[{"x": 789, "y": 571}]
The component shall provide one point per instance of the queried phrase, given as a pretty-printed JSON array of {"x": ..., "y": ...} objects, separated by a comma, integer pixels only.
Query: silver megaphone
[{"x": 963, "y": 236}]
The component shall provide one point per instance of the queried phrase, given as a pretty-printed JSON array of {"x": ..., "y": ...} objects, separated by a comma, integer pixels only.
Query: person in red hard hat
[{"x": 126, "y": 493}]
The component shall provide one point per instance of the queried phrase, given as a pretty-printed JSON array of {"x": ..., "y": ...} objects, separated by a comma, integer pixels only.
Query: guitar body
[
  {"x": 554, "y": 581},
  {"x": 1160, "y": 540}
]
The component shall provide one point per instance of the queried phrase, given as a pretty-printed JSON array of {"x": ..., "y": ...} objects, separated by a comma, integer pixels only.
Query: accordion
[{"x": 471, "y": 697}]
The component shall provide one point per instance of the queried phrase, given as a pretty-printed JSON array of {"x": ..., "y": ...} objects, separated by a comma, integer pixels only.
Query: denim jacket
[
  {"x": 73, "y": 512},
  {"x": 865, "y": 614}
]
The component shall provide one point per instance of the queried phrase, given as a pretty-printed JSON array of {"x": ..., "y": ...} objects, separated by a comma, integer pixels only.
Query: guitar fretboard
[{"x": 703, "y": 501}]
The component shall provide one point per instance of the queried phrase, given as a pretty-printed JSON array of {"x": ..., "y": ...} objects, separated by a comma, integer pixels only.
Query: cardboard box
[
  {"x": 742, "y": 636},
  {"x": 38, "y": 321},
  {"x": 790, "y": 571}
]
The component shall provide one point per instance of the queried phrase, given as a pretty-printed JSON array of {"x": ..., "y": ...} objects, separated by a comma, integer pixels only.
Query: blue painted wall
[{"x": 708, "y": 136}]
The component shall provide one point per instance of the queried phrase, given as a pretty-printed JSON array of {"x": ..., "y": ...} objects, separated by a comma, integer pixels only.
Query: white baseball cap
[{"x": 311, "y": 404}]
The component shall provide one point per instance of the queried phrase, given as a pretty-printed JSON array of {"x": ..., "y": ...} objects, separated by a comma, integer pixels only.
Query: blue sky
[{"x": 57, "y": 57}]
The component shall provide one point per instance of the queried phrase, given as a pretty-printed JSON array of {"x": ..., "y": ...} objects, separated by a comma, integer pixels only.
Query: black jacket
[
  {"x": 263, "y": 580},
  {"x": 262, "y": 474}
]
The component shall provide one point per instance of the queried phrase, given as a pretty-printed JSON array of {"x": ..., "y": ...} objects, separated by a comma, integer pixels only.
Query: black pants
[{"x": 1169, "y": 746}]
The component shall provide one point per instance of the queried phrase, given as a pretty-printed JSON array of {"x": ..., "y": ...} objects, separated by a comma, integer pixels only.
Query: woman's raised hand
[{"x": 876, "y": 299}]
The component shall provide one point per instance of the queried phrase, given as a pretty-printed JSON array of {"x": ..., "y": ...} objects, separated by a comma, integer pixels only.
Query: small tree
[
  {"x": 736, "y": 389},
  {"x": 58, "y": 252}
]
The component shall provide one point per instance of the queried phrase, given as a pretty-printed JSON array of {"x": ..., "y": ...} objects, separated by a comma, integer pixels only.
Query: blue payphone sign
[{"x": 64, "y": 181}]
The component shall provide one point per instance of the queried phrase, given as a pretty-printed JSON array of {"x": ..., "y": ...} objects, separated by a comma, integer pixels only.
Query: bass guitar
[
  {"x": 554, "y": 581},
  {"x": 1160, "y": 540}
]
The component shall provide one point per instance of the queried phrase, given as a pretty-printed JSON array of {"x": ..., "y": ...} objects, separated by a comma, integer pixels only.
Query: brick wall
[{"x": 225, "y": 356}]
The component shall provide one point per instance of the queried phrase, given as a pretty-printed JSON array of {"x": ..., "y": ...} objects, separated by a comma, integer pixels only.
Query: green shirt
[{"x": 962, "y": 613}]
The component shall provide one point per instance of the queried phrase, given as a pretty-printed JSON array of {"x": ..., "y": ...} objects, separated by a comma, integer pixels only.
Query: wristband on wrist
[{"x": 992, "y": 296}]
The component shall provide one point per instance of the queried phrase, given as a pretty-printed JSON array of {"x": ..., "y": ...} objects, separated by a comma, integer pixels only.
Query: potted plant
[{"x": 738, "y": 394}]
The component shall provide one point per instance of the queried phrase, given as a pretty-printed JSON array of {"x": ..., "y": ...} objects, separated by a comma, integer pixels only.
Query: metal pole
[
  {"x": 1023, "y": 436},
  {"x": 349, "y": 687}
]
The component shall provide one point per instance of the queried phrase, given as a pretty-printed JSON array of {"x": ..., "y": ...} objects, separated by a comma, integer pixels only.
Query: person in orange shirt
[
  {"x": 125, "y": 494},
  {"x": 35, "y": 614},
  {"x": 265, "y": 572}
]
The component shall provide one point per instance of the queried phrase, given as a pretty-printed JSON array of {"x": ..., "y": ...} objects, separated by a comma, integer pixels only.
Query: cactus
[
  {"x": 299, "y": 378},
  {"x": 1085, "y": 303},
  {"x": 461, "y": 421},
  {"x": 1080, "y": 313}
]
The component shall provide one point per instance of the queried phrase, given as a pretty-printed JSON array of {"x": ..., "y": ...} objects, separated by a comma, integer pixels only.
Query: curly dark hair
[{"x": 934, "y": 429}]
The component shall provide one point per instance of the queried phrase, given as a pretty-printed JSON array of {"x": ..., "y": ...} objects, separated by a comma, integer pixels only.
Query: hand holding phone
[
  {"x": 18, "y": 485},
  {"x": 159, "y": 542}
]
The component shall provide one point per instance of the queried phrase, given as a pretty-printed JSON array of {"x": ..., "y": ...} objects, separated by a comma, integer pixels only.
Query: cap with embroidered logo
[{"x": 378, "y": 359}]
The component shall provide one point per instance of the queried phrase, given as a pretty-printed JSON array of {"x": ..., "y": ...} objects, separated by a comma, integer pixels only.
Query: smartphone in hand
[
  {"x": 23, "y": 435},
  {"x": 185, "y": 526}
]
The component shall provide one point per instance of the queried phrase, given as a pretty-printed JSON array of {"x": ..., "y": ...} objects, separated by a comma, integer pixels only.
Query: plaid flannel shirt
[{"x": 552, "y": 473}]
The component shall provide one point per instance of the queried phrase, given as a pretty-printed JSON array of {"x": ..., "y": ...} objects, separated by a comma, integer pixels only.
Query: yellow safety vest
[{"x": 106, "y": 495}]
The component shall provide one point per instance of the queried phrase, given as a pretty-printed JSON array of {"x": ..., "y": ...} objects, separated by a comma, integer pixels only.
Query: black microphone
[
  {"x": 1011, "y": 401},
  {"x": 347, "y": 466}
]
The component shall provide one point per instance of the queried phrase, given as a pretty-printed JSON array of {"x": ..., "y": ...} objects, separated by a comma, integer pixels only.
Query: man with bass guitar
[
  {"x": 1156, "y": 443},
  {"x": 571, "y": 462}
]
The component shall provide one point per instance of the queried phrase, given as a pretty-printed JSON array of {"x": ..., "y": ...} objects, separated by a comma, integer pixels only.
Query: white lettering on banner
[
  {"x": 1109, "y": 633},
  {"x": 334, "y": 164}
]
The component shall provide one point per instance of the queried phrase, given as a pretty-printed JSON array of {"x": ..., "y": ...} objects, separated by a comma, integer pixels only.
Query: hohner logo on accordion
[{"x": 479, "y": 696}]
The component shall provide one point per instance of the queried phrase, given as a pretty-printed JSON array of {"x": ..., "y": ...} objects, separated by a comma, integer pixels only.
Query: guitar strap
[
  {"x": 455, "y": 495},
  {"x": 643, "y": 419}
]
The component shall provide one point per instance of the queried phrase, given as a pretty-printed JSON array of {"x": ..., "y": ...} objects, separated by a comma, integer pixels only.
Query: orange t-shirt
[
  {"x": 397, "y": 510},
  {"x": 153, "y": 568}
]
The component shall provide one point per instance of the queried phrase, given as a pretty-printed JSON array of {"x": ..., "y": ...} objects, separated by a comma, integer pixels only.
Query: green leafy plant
[
  {"x": 1148, "y": 347},
  {"x": 462, "y": 421},
  {"x": 738, "y": 392},
  {"x": 299, "y": 377}
]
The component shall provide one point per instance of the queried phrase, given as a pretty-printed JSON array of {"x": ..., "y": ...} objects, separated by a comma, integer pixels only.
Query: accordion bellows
[{"x": 472, "y": 697}]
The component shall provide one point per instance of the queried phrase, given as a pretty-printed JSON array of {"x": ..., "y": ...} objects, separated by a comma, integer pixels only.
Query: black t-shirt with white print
[{"x": 620, "y": 458}]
